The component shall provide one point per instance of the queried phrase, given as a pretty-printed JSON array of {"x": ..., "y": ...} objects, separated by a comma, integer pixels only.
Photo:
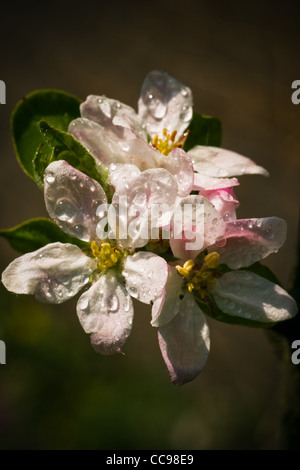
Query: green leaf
[
  {"x": 63, "y": 146},
  {"x": 56, "y": 107},
  {"x": 36, "y": 233},
  {"x": 204, "y": 130}
]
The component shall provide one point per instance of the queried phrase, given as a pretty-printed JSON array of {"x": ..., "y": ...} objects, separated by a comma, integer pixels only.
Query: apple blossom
[{"x": 57, "y": 271}]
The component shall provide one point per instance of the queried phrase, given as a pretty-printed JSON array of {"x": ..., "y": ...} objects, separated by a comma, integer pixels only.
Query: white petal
[
  {"x": 246, "y": 295},
  {"x": 107, "y": 112},
  {"x": 106, "y": 311},
  {"x": 224, "y": 201},
  {"x": 146, "y": 275},
  {"x": 166, "y": 308},
  {"x": 203, "y": 182},
  {"x": 180, "y": 165},
  {"x": 184, "y": 342},
  {"x": 249, "y": 240},
  {"x": 217, "y": 162},
  {"x": 72, "y": 199},
  {"x": 54, "y": 273},
  {"x": 196, "y": 225},
  {"x": 122, "y": 174},
  {"x": 149, "y": 203},
  {"x": 165, "y": 103}
]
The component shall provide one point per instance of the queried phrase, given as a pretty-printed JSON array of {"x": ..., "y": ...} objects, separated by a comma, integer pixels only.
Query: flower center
[
  {"x": 107, "y": 255},
  {"x": 199, "y": 279},
  {"x": 167, "y": 143}
]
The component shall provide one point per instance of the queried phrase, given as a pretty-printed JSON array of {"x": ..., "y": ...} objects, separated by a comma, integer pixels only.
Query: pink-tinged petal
[
  {"x": 217, "y": 162},
  {"x": 146, "y": 276},
  {"x": 113, "y": 143},
  {"x": 196, "y": 225},
  {"x": 249, "y": 240},
  {"x": 72, "y": 199},
  {"x": 247, "y": 295},
  {"x": 121, "y": 175},
  {"x": 106, "y": 111},
  {"x": 203, "y": 182},
  {"x": 54, "y": 273},
  {"x": 184, "y": 342},
  {"x": 168, "y": 305},
  {"x": 165, "y": 103},
  {"x": 224, "y": 201},
  {"x": 180, "y": 165},
  {"x": 147, "y": 203},
  {"x": 106, "y": 311}
]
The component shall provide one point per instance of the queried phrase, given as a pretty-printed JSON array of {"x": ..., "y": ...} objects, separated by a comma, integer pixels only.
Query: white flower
[
  {"x": 57, "y": 272},
  {"x": 183, "y": 331},
  {"x": 114, "y": 133}
]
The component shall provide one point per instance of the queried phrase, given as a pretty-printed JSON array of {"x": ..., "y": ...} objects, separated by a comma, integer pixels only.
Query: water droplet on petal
[
  {"x": 112, "y": 302},
  {"x": 84, "y": 303},
  {"x": 220, "y": 241},
  {"x": 214, "y": 221},
  {"x": 64, "y": 210},
  {"x": 133, "y": 292},
  {"x": 150, "y": 274},
  {"x": 50, "y": 178}
]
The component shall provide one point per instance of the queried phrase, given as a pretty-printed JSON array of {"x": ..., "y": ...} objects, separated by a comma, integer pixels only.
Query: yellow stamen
[
  {"x": 107, "y": 256},
  {"x": 199, "y": 278},
  {"x": 212, "y": 260},
  {"x": 167, "y": 143}
]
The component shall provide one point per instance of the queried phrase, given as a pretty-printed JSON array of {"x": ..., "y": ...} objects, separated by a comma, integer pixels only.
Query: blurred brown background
[{"x": 240, "y": 60}]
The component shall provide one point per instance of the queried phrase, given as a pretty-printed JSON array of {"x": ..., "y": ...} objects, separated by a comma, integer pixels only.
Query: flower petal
[
  {"x": 54, "y": 273},
  {"x": 107, "y": 112},
  {"x": 247, "y": 295},
  {"x": 168, "y": 305},
  {"x": 148, "y": 203},
  {"x": 203, "y": 182},
  {"x": 196, "y": 225},
  {"x": 184, "y": 342},
  {"x": 180, "y": 165},
  {"x": 121, "y": 174},
  {"x": 224, "y": 201},
  {"x": 146, "y": 275},
  {"x": 72, "y": 199},
  {"x": 249, "y": 240},
  {"x": 106, "y": 311},
  {"x": 165, "y": 103},
  {"x": 217, "y": 162}
]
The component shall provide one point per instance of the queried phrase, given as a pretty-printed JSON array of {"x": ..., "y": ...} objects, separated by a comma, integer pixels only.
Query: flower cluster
[{"x": 165, "y": 234}]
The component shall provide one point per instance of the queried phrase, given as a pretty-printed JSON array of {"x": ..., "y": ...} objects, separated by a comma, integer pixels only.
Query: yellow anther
[
  {"x": 199, "y": 278},
  {"x": 182, "y": 271},
  {"x": 173, "y": 135},
  {"x": 167, "y": 143},
  {"x": 212, "y": 260},
  {"x": 189, "y": 264},
  {"x": 190, "y": 286},
  {"x": 107, "y": 256}
]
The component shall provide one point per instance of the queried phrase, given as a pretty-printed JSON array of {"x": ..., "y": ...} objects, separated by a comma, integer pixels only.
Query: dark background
[{"x": 239, "y": 59}]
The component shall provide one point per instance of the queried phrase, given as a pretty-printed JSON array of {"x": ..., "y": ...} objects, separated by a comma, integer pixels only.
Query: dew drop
[
  {"x": 227, "y": 216},
  {"x": 214, "y": 221},
  {"x": 113, "y": 167},
  {"x": 150, "y": 274},
  {"x": 64, "y": 210},
  {"x": 112, "y": 302},
  {"x": 84, "y": 303},
  {"x": 92, "y": 188},
  {"x": 125, "y": 147},
  {"x": 184, "y": 92},
  {"x": 133, "y": 292},
  {"x": 220, "y": 241},
  {"x": 50, "y": 178}
]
